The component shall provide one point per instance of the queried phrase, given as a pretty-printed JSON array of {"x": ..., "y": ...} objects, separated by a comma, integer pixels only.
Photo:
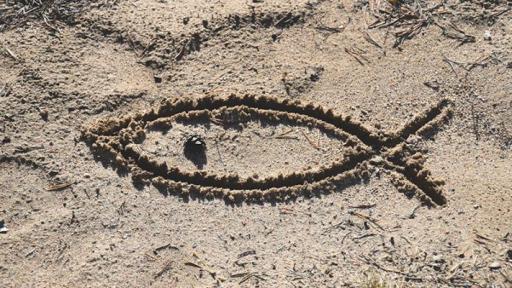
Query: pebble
[
  {"x": 487, "y": 35},
  {"x": 377, "y": 160},
  {"x": 495, "y": 265},
  {"x": 44, "y": 114},
  {"x": 438, "y": 258}
]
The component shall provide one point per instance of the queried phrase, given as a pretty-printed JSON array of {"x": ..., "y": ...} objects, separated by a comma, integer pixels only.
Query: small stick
[
  {"x": 366, "y": 218},
  {"x": 372, "y": 262},
  {"x": 217, "y": 121},
  {"x": 483, "y": 237},
  {"x": 475, "y": 122},
  {"x": 345, "y": 237},
  {"x": 150, "y": 45},
  {"x": 193, "y": 265},
  {"x": 182, "y": 51},
  {"x": 166, "y": 246},
  {"x": 167, "y": 267},
  {"x": 218, "y": 152},
  {"x": 369, "y": 38},
  {"x": 412, "y": 215},
  {"x": 58, "y": 186},
  {"x": 285, "y": 133},
  {"x": 329, "y": 29},
  {"x": 364, "y": 236},
  {"x": 354, "y": 55},
  {"x": 363, "y": 206},
  {"x": 309, "y": 140},
  {"x": 450, "y": 62},
  {"x": 252, "y": 274},
  {"x": 13, "y": 56},
  {"x": 335, "y": 226},
  {"x": 285, "y": 210},
  {"x": 50, "y": 26}
]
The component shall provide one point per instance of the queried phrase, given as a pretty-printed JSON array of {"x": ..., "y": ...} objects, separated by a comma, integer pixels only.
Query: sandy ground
[{"x": 72, "y": 214}]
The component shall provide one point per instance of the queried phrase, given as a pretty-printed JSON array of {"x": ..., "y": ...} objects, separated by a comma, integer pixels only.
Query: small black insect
[
  {"x": 195, "y": 150},
  {"x": 195, "y": 144}
]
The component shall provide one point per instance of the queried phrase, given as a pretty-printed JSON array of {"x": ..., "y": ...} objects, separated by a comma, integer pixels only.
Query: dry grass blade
[
  {"x": 357, "y": 55},
  {"x": 10, "y": 53},
  {"x": 370, "y": 39},
  {"x": 249, "y": 276}
]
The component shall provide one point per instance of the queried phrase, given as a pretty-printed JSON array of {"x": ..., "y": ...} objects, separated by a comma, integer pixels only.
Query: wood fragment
[
  {"x": 449, "y": 62},
  {"x": 483, "y": 237},
  {"x": 285, "y": 210},
  {"x": 54, "y": 29},
  {"x": 193, "y": 265},
  {"x": 507, "y": 278},
  {"x": 250, "y": 275},
  {"x": 246, "y": 253},
  {"x": 149, "y": 47},
  {"x": 330, "y": 29},
  {"x": 56, "y": 187},
  {"x": 165, "y": 269},
  {"x": 284, "y": 133},
  {"x": 182, "y": 51},
  {"x": 365, "y": 217},
  {"x": 413, "y": 212},
  {"x": 309, "y": 140},
  {"x": 283, "y": 21},
  {"x": 335, "y": 226},
  {"x": 369, "y": 38},
  {"x": 345, "y": 237},
  {"x": 376, "y": 265},
  {"x": 363, "y": 206},
  {"x": 164, "y": 247},
  {"x": 10, "y": 53},
  {"x": 354, "y": 54},
  {"x": 364, "y": 236}
]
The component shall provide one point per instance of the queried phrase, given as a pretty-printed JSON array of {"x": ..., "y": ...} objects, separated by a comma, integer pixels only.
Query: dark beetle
[
  {"x": 195, "y": 150},
  {"x": 195, "y": 144}
]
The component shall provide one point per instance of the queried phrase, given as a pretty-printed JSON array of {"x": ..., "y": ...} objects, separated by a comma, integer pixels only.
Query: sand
[{"x": 347, "y": 143}]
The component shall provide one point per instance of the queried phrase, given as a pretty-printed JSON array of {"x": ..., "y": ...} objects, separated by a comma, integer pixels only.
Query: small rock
[
  {"x": 487, "y": 35},
  {"x": 44, "y": 114},
  {"x": 434, "y": 85},
  {"x": 509, "y": 254},
  {"x": 377, "y": 160},
  {"x": 495, "y": 265},
  {"x": 438, "y": 258}
]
